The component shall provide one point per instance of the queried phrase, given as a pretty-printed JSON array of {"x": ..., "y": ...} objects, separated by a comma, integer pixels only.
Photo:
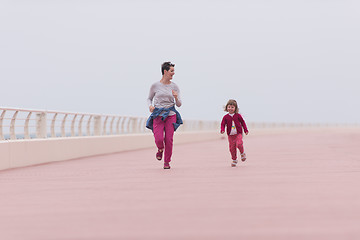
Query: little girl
[{"x": 234, "y": 127}]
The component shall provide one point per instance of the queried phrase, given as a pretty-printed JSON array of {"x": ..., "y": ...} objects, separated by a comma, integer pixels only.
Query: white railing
[
  {"x": 16, "y": 123},
  {"x": 268, "y": 125}
]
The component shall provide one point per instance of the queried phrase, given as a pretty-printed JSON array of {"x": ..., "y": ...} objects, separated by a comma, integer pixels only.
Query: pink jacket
[{"x": 239, "y": 123}]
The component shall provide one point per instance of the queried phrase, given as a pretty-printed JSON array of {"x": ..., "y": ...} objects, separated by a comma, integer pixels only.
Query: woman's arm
[
  {"x": 150, "y": 98},
  {"x": 176, "y": 94}
]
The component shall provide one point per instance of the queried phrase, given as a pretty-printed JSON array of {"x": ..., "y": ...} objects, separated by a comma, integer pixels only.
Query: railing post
[
  {"x": 1, "y": 124},
  {"x": 73, "y": 126},
  {"x": 12, "y": 126},
  {"x": 88, "y": 132},
  {"x": 80, "y": 126},
  {"x": 134, "y": 127},
  {"x": 118, "y": 126},
  {"x": 63, "y": 131},
  {"x": 201, "y": 126},
  {"x": 97, "y": 125},
  {"x": 111, "y": 125},
  {"x": 104, "y": 127},
  {"x": 124, "y": 125},
  {"x": 53, "y": 122},
  {"x": 26, "y": 127},
  {"x": 41, "y": 125}
]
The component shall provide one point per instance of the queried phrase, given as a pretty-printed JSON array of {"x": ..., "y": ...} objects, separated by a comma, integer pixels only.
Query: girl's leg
[
  {"x": 240, "y": 146},
  {"x": 239, "y": 143},
  {"x": 169, "y": 135},
  {"x": 232, "y": 146},
  {"x": 158, "y": 130}
]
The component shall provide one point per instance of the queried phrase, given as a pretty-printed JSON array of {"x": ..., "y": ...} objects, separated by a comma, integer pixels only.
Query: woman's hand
[
  {"x": 222, "y": 132},
  {"x": 151, "y": 108},
  {"x": 175, "y": 94}
]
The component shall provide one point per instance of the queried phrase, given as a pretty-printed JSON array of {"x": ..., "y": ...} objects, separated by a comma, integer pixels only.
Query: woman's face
[{"x": 169, "y": 74}]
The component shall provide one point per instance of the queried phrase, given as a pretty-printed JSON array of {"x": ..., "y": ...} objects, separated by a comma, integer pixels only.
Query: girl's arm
[
  {"x": 243, "y": 124},
  {"x": 223, "y": 125}
]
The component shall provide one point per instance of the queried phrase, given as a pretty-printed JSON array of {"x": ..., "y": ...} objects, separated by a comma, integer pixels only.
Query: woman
[{"x": 164, "y": 118}]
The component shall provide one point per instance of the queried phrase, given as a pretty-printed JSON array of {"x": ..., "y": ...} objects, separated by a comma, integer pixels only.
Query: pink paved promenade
[{"x": 295, "y": 185}]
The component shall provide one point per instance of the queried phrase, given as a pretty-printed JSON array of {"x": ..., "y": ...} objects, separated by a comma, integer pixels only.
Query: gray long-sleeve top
[{"x": 160, "y": 96}]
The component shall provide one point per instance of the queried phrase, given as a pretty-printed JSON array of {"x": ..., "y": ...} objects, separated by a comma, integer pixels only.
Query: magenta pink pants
[
  {"x": 235, "y": 142},
  {"x": 164, "y": 133}
]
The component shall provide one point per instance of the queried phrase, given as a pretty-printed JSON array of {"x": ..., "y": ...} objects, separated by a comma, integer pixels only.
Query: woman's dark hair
[{"x": 166, "y": 66}]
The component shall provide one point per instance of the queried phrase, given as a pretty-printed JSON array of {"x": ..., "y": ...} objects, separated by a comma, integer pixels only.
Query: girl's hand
[
  {"x": 222, "y": 132},
  {"x": 246, "y": 133},
  {"x": 175, "y": 94},
  {"x": 151, "y": 108}
]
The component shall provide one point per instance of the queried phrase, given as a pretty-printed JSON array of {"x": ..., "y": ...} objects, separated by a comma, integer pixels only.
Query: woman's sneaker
[
  {"x": 159, "y": 154},
  {"x": 234, "y": 162},
  {"x": 166, "y": 165},
  {"x": 243, "y": 157}
]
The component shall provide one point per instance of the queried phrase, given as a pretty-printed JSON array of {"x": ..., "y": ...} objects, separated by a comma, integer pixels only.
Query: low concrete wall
[{"x": 21, "y": 153}]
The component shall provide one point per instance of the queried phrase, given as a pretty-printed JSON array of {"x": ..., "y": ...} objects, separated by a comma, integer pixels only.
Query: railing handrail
[
  {"x": 61, "y": 112},
  {"x": 92, "y": 124},
  {"x": 78, "y": 124}
]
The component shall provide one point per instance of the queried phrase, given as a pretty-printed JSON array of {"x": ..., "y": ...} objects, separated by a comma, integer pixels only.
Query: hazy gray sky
[{"x": 282, "y": 60}]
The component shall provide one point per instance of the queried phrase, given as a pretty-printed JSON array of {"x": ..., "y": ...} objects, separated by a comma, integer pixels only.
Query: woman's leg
[
  {"x": 169, "y": 134},
  {"x": 158, "y": 130}
]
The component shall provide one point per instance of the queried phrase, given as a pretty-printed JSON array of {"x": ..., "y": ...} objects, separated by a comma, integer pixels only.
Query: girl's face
[
  {"x": 230, "y": 109},
  {"x": 169, "y": 74}
]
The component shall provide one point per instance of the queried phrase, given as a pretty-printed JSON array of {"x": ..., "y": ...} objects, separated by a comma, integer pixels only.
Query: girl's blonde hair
[{"x": 233, "y": 103}]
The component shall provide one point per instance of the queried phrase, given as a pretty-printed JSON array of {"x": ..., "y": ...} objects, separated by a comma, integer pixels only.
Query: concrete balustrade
[
  {"x": 30, "y": 137},
  {"x": 51, "y": 124},
  {"x": 33, "y": 124},
  {"x": 16, "y": 123}
]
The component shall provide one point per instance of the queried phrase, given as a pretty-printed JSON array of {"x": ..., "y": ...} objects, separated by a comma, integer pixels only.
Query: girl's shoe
[
  {"x": 234, "y": 162},
  {"x": 243, "y": 157},
  {"x": 159, "y": 154},
  {"x": 166, "y": 166}
]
